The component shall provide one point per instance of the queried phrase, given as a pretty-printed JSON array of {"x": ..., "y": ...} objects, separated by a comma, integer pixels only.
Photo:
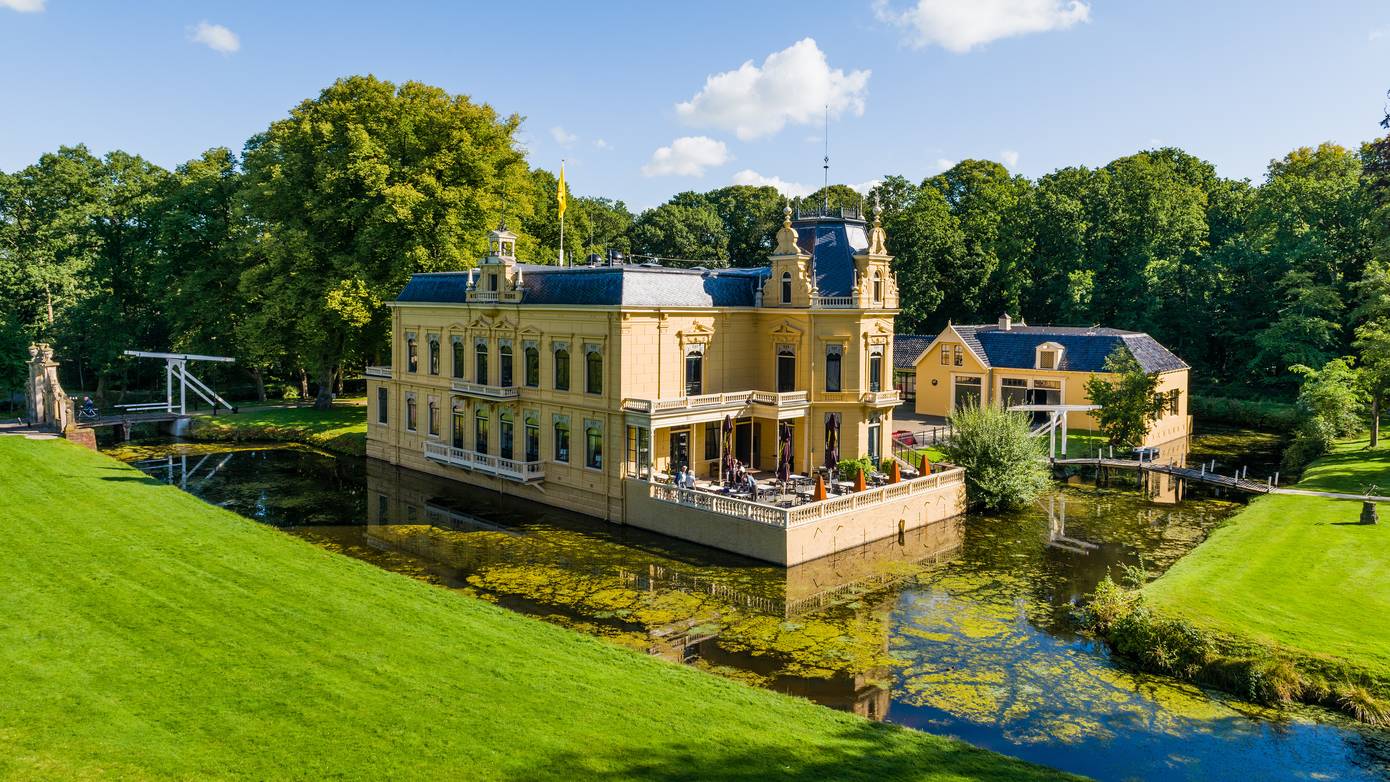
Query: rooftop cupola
[
  {"x": 499, "y": 277},
  {"x": 1005, "y": 322},
  {"x": 501, "y": 245}
]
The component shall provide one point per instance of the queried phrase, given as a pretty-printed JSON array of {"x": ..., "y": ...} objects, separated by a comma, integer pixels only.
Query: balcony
[
  {"x": 383, "y": 372},
  {"x": 511, "y": 469},
  {"x": 835, "y": 302},
  {"x": 484, "y": 391},
  {"x": 890, "y": 398},
  {"x": 735, "y": 400}
]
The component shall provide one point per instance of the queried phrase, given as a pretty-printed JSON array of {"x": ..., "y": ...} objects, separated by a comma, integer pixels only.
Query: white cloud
[
  {"x": 794, "y": 85},
  {"x": 1374, "y": 35},
  {"x": 864, "y": 187},
  {"x": 23, "y": 6},
  {"x": 216, "y": 37},
  {"x": 687, "y": 156},
  {"x": 562, "y": 137},
  {"x": 942, "y": 164},
  {"x": 961, "y": 26},
  {"x": 1009, "y": 156},
  {"x": 602, "y": 144},
  {"x": 789, "y": 189}
]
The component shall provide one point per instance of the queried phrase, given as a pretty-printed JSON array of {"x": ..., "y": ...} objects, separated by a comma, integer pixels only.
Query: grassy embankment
[
  {"x": 148, "y": 635},
  {"x": 342, "y": 429},
  {"x": 1289, "y": 600}
]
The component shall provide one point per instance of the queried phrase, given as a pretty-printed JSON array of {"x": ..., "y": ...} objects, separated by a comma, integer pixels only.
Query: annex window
[
  {"x": 480, "y": 427},
  {"x": 434, "y": 355},
  {"x": 945, "y": 355},
  {"x": 593, "y": 445},
  {"x": 966, "y": 392},
  {"x": 532, "y": 431},
  {"x": 959, "y": 356},
  {"x": 834, "y": 360},
  {"x": 562, "y": 440},
  {"x": 410, "y": 413},
  {"x": 562, "y": 370},
  {"x": 433, "y": 418},
  {"x": 383, "y": 405},
  {"x": 504, "y": 360},
  {"x": 480, "y": 362},
  {"x": 1049, "y": 356},
  {"x": 412, "y": 354},
  {"x": 531, "y": 358},
  {"x": 786, "y": 369},
  {"x": 694, "y": 372},
  {"x": 786, "y": 287},
  {"x": 876, "y": 370},
  {"x": 460, "y": 358},
  {"x": 505, "y": 435},
  {"x": 593, "y": 371}
]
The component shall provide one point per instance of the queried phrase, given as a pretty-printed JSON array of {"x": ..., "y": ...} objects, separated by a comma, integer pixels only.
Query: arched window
[
  {"x": 460, "y": 421},
  {"x": 694, "y": 372},
  {"x": 460, "y": 358},
  {"x": 786, "y": 287},
  {"x": 531, "y": 355},
  {"x": 504, "y": 355},
  {"x": 786, "y": 369},
  {"x": 434, "y": 355},
  {"x": 480, "y": 430},
  {"x": 593, "y": 371},
  {"x": 383, "y": 405},
  {"x": 505, "y": 435},
  {"x": 562, "y": 370},
  {"x": 876, "y": 369},
  {"x": 593, "y": 445},
  {"x": 410, "y": 413},
  {"x": 878, "y": 287},
  {"x": 412, "y": 355},
  {"x": 833, "y": 373},
  {"x": 480, "y": 363},
  {"x": 533, "y": 437},
  {"x": 562, "y": 440}
]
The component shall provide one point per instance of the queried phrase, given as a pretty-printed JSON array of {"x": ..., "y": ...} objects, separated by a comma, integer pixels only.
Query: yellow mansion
[{"x": 589, "y": 387}]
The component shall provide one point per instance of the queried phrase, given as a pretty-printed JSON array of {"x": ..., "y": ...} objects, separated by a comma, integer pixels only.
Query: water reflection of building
[{"x": 465, "y": 536}]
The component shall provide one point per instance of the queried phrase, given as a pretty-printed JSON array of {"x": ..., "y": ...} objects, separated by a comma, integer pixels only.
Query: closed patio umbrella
[
  {"x": 832, "y": 440},
  {"x": 784, "y": 453},
  {"x": 727, "y": 435}
]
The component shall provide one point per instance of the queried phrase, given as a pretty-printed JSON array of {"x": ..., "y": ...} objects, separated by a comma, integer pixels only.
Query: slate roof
[
  {"x": 907, "y": 347},
  {"x": 1084, "y": 349},
  {"x": 654, "y": 286},
  {"x": 832, "y": 242}
]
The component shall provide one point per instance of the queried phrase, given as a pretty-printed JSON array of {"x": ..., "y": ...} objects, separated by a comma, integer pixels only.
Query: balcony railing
[
  {"x": 484, "y": 390},
  {"x": 732, "y": 399},
  {"x": 812, "y": 511},
  {"x": 484, "y": 296},
  {"x": 835, "y": 302},
  {"x": 511, "y": 469},
  {"x": 887, "y": 398},
  {"x": 378, "y": 372}
]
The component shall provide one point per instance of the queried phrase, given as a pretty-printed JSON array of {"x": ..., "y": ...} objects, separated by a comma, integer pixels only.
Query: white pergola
[
  {"x": 176, "y": 368},
  {"x": 1057, "y": 416}
]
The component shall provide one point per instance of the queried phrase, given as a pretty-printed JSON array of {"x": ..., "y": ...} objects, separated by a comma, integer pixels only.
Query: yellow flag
[{"x": 560, "y": 192}]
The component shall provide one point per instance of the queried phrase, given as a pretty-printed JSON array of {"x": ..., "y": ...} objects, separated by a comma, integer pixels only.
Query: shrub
[
  {"x": 1004, "y": 464},
  {"x": 1334, "y": 394},
  {"x": 1358, "y": 701},
  {"x": 1312, "y": 439},
  {"x": 848, "y": 468}
]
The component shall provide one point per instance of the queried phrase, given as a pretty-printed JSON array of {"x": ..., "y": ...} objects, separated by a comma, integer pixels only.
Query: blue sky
[{"x": 1037, "y": 84}]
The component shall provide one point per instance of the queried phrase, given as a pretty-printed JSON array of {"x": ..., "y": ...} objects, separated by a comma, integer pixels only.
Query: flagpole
[{"x": 562, "y": 211}]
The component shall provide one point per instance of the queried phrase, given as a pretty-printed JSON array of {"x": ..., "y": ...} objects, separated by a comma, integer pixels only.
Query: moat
[{"x": 961, "y": 628}]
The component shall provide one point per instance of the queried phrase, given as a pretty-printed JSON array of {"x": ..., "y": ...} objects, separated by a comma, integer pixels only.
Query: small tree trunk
[
  {"x": 257, "y": 376},
  {"x": 338, "y": 381},
  {"x": 324, "y": 400},
  {"x": 303, "y": 384},
  {"x": 1375, "y": 418}
]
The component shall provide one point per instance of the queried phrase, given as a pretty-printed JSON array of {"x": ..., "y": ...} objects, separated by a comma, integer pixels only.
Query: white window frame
[
  {"x": 984, "y": 398},
  {"x": 1056, "y": 349}
]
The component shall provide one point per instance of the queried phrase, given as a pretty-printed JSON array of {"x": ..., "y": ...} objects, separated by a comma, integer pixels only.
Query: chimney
[{"x": 1005, "y": 323}]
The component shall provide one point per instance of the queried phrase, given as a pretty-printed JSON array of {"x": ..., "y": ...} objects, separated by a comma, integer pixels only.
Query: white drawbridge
[
  {"x": 176, "y": 372},
  {"x": 1057, "y": 419}
]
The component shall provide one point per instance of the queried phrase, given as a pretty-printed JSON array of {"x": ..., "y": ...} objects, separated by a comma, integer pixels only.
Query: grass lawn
[
  {"x": 145, "y": 634},
  {"x": 1297, "y": 572},
  {"x": 343, "y": 429}
]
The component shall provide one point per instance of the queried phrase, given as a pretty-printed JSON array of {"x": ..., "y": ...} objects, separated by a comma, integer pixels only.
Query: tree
[
  {"x": 987, "y": 277},
  {"x": 925, "y": 239},
  {"x": 1004, "y": 464},
  {"x": 1333, "y": 394},
  {"x": 751, "y": 216},
  {"x": 1128, "y": 399},
  {"x": 684, "y": 231},
  {"x": 357, "y": 189}
]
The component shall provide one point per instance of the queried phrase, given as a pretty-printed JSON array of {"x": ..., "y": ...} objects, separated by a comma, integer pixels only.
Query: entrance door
[
  {"x": 680, "y": 450},
  {"x": 743, "y": 441}
]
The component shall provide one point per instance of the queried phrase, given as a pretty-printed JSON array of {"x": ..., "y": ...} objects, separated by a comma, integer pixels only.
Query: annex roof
[{"x": 1084, "y": 349}]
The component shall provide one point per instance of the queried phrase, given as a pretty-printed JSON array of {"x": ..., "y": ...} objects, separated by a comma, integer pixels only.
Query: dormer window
[
  {"x": 878, "y": 287},
  {"x": 786, "y": 287},
  {"x": 1049, "y": 356}
]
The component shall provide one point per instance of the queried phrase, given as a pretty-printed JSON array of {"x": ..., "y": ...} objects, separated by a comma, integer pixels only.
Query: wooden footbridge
[
  {"x": 178, "y": 381},
  {"x": 1237, "y": 481}
]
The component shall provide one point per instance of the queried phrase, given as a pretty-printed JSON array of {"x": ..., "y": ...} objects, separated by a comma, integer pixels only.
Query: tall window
[
  {"x": 593, "y": 372},
  {"x": 460, "y": 358},
  {"x": 383, "y": 405},
  {"x": 712, "y": 440},
  {"x": 694, "y": 373},
  {"x": 878, "y": 287},
  {"x": 531, "y": 357},
  {"x": 875, "y": 441},
  {"x": 562, "y": 441},
  {"x": 504, "y": 355},
  {"x": 412, "y": 355},
  {"x": 593, "y": 445},
  {"x": 434, "y": 355},
  {"x": 833, "y": 372},
  {"x": 492, "y": 282},
  {"x": 410, "y": 413},
  {"x": 533, "y": 438},
  {"x": 786, "y": 369},
  {"x": 786, "y": 287},
  {"x": 460, "y": 421},
  {"x": 945, "y": 355},
  {"x": 480, "y": 363},
  {"x": 562, "y": 370},
  {"x": 504, "y": 435},
  {"x": 960, "y": 356},
  {"x": 638, "y": 450},
  {"x": 480, "y": 430},
  {"x": 433, "y": 421},
  {"x": 876, "y": 370}
]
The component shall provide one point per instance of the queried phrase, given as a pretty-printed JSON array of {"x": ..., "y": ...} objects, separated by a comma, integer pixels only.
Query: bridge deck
[
  {"x": 1186, "y": 473},
  {"x": 121, "y": 419}
]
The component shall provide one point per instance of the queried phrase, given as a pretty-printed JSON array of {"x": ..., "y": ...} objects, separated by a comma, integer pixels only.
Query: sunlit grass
[
  {"x": 342, "y": 429},
  {"x": 145, "y": 634}
]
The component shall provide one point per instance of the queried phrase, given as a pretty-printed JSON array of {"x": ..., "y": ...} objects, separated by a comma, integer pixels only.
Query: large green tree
[
  {"x": 686, "y": 229},
  {"x": 1128, "y": 399},
  {"x": 357, "y": 189}
]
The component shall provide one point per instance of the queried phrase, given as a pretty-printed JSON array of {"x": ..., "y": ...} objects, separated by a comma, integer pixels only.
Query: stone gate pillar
[{"x": 48, "y": 406}]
